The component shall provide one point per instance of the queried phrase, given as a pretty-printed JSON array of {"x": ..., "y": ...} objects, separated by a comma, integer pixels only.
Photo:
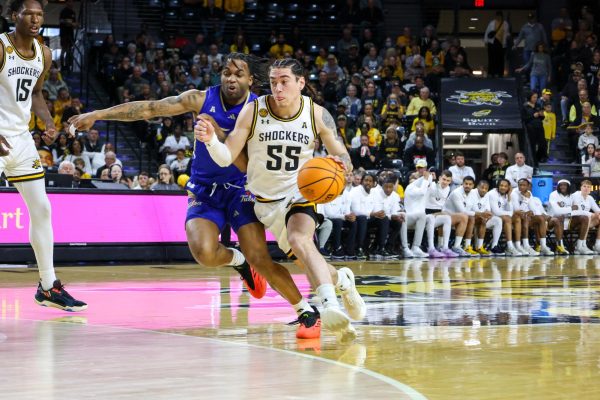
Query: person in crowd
[
  {"x": 459, "y": 170},
  {"x": 165, "y": 179},
  {"x": 418, "y": 132},
  {"x": 533, "y": 120},
  {"x": 364, "y": 156},
  {"x": 501, "y": 207},
  {"x": 594, "y": 165},
  {"x": 435, "y": 198},
  {"x": 390, "y": 149},
  {"x": 518, "y": 170},
  {"x": 479, "y": 203},
  {"x": 549, "y": 123},
  {"x": 426, "y": 118},
  {"x": 539, "y": 67},
  {"x": 532, "y": 33},
  {"x": 417, "y": 152},
  {"x": 496, "y": 39},
  {"x": 142, "y": 181},
  {"x": 587, "y": 138},
  {"x": 522, "y": 216},
  {"x": 422, "y": 101}
]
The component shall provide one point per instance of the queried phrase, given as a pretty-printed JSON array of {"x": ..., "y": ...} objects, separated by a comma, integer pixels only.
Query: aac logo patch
[
  {"x": 9, "y": 49},
  {"x": 263, "y": 112}
]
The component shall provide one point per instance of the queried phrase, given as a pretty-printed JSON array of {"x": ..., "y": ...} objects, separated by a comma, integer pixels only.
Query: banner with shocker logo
[{"x": 488, "y": 105}]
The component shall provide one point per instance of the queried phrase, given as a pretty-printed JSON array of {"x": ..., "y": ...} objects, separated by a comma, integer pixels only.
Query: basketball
[{"x": 321, "y": 180}]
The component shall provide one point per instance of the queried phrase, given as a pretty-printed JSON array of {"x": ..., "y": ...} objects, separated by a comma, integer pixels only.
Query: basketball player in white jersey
[
  {"x": 279, "y": 131},
  {"x": 560, "y": 206},
  {"x": 502, "y": 207},
  {"x": 434, "y": 202},
  {"x": 478, "y": 202},
  {"x": 584, "y": 204},
  {"x": 23, "y": 64},
  {"x": 414, "y": 206},
  {"x": 522, "y": 216}
]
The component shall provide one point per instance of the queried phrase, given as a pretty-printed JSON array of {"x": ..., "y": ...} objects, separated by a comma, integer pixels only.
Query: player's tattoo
[
  {"x": 142, "y": 110},
  {"x": 328, "y": 121}
]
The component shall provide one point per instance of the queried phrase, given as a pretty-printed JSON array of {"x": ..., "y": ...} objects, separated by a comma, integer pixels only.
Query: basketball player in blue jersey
[
  {"x": 217, "y": 195},
  {"x": 23, "y": 61}
]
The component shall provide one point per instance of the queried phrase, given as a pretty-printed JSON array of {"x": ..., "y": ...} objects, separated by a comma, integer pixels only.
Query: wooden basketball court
[{"x": 504, "y": 328}]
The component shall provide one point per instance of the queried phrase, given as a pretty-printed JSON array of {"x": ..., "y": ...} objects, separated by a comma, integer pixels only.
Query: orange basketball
[{"x": 321, "y": 180}]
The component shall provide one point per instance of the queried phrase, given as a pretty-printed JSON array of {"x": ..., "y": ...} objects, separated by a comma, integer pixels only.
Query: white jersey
[
  {"x": 414, "y": 196},
  {"x": 18, "y": 76},
  {"x": 585, "y": 206},
  {"x": 477, "y": 203},
  {"x": 278, "y": 148},
  {"x": 500, "y": 204},
  {"x": 436, "y": 197},
  {"x": 559, "y": 204},
  {"x": 457, "y": 202},
  {"x": 519, "y": 201}
]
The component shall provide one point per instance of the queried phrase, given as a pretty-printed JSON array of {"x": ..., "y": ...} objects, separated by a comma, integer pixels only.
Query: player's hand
[
  {"x": 204, "y": 129},
  {"x": 82, "y": 122},
  {"x": 49, "y": 135},
  {"x": 4, "y": 146},
  {"x": 338, "y": 160},
  {"x": 218, "y": 131}
]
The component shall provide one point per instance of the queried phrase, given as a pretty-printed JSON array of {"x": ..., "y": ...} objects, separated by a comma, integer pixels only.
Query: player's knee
[
  {"x": 204, "y": 254},
  {"x": 299, "y": 242}
]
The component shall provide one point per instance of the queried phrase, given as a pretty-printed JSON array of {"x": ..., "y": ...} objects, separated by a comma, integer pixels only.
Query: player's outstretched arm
[
  {"x": 327, "y": 130},
  {"x": 189, "y": 101},
  {"x": 224, "y": 153}
]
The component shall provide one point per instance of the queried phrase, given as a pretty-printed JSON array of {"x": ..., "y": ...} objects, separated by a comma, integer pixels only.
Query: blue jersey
[{"x": 204, "y": 169}]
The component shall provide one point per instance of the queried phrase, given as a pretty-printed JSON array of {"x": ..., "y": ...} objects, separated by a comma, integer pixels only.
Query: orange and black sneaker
[
  {"x": 255, "y": 283},
  {"x": 309, "y": 325},
  {"x": 58, "y": 297}
]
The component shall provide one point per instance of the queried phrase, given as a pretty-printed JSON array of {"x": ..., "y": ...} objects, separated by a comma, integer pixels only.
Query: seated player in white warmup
[{"x": 560, "y": 206}]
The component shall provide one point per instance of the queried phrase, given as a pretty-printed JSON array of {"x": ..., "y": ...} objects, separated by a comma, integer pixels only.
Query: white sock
[
  {"x": 302, "y": 306},
  {"x": 40, "y": 228},
  {"x": 580, "y": 243},
  {"x": 479, "y": 243},
  {"x": 560, "y": 243},
  {"x": 440, "y": 241},
  {"x": 326, "y": 293},
  {"x": 238, "y": 258},
  {"x": 457, "y": 242},
  {"x": 509, "y": 244},
  {"x": 597, "y": 243},
  {"x": 496, "y": 232},
  {"x": 467, "y": 242},
  {"x": 543, "y": 242},
  {"x": 447, "y": 228},
  {"x": 343, "y": 282},
  {"x": 525, "y": 242},
  {"x": 430, "y": 231}
]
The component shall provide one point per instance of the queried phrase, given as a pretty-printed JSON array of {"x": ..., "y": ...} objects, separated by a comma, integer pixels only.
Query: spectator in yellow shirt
[
  {"x": 372, "y": 132},
  {"x": 549, "y": 123},
  {"x": 425, "y": 117},
  {"x": 281, "y": 48},
  {"x": 422, "y": 101}
]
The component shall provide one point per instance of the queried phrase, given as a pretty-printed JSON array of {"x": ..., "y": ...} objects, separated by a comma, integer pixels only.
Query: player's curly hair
[
  {"x": 257, "y": 66},
  {"x": 16, "y": 5}
]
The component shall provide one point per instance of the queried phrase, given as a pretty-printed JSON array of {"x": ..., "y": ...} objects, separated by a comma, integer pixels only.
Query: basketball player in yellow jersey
[
  {"x": 22, "y": 62},
  {"x": 279, "y": 131}
]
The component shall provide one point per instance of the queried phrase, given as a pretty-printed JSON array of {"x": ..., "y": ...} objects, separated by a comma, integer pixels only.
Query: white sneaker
[
  {"x": 347, "y": 335},
  {"x": 529, "y": 251},
  {"x": 406, "y": 253},
  {"x": 513, "y": 252},
  {"x": 597, "y": 249},
  {"x": 583, "y": 250},
  {"x": 520, "y": 250},
  {"x": 354, "y": 304},
  {"x": 333, "y": 319},
  {"x": 417, "y": 252},
  {"x": 461, "y": 252},
  {"x": 545, "y": 251}
]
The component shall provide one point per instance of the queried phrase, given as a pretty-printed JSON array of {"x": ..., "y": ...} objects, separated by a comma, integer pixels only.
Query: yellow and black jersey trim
[
  {"x": 304, "y": 204},
  {"x": 285, "y": 119},
  {"x": 25, "y": 178},
  {"x": 290, "y": 255},
  {"x": 263, "y": 200},
  {"x": 3, "y": 51},
  {"x": 254, "y": 117},
  {"x": 35, "y": 50},
  {"x": 312, "y": 118}
]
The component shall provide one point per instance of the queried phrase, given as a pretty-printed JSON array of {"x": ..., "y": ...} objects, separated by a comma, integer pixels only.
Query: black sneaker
[
  {"x": 255, "y": 283},
  {"x": 497, "y": 251},
  {"x": 360, "y": 255},
  {"x": 338, "y": 254},
  {"x": 58, "y": 297},
  {"x": 325, "y": 253},
  {"x": 388, "y": 255},
  {"x": 309, "y": 325}
]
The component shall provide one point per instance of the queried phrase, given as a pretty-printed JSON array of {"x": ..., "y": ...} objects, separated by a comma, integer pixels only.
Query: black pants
[
  {"x": 382, "y": 225},
  {"x": 495, "y": 59},
  {"x": 336, "y": 235},
  {"x": 393, "y": 235},
  {"x": 539, "y": 145},
  {"x": 573, "y": 141}
]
